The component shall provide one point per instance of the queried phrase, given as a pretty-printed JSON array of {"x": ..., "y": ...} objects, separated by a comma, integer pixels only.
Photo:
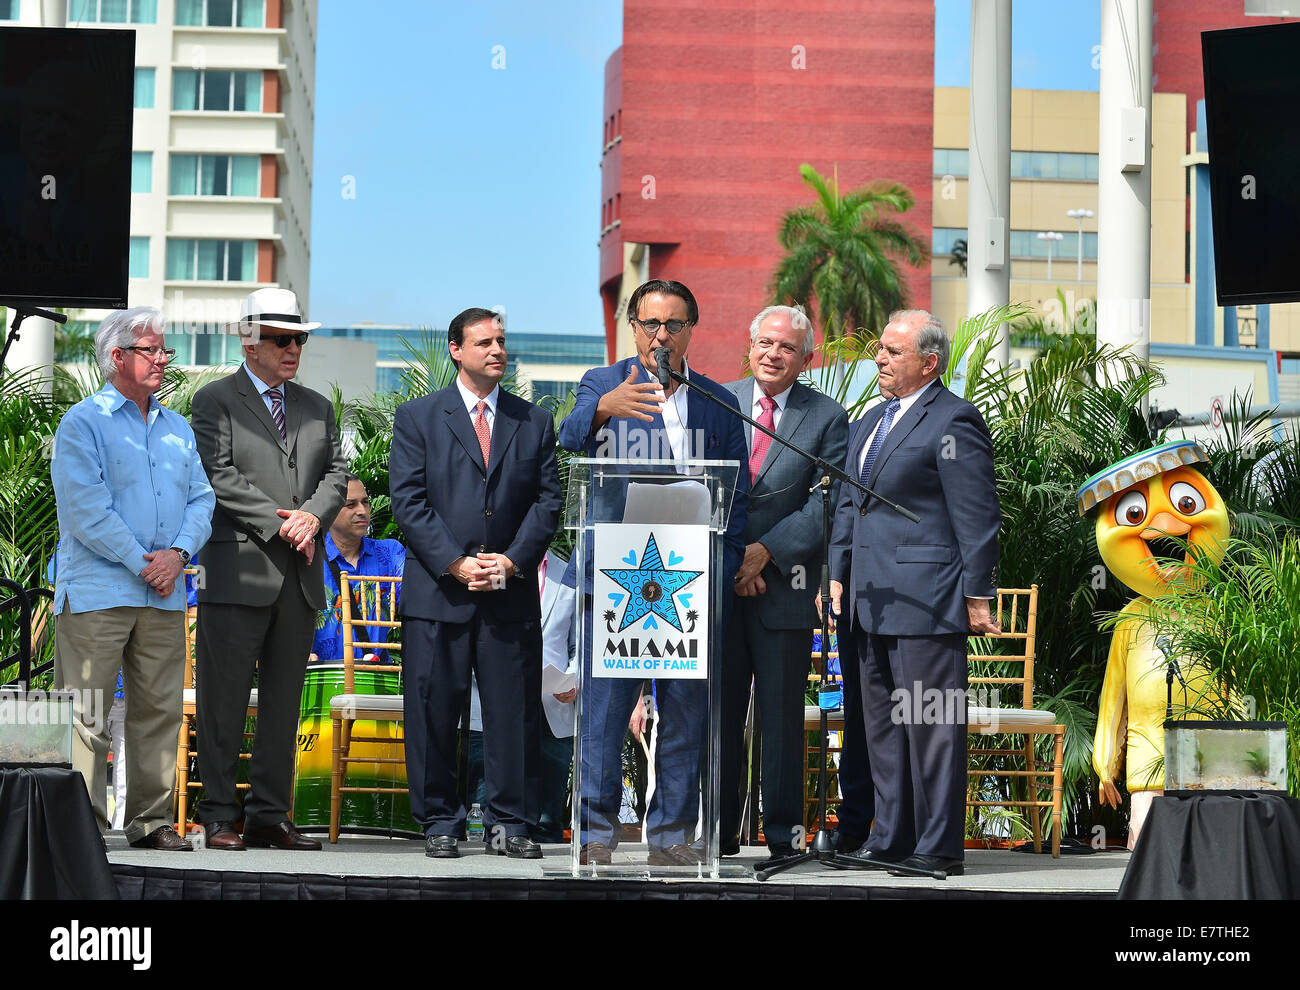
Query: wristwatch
[{"x": 185, "y": 556}]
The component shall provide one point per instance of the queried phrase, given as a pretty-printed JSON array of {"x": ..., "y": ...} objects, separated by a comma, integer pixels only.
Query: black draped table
[
  {"x": 50, "y": 846},
  {"x": 1234, "y": 845}
]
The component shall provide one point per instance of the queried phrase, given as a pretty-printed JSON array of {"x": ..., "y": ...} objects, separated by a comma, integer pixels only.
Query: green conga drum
[{"x": 311, "y": 793}]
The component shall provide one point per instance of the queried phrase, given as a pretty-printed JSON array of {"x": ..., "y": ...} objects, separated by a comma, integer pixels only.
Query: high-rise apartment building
[{"x": 221, "y": 153}]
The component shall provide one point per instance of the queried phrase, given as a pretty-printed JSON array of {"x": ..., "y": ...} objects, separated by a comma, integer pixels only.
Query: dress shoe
[
  {"x": 777, "y": 851},
  {"x": 867, "y": 857},
  {"x": 729, "y": 847},
  {"x": 952, "y": 867},
  {"x": 164, "y": 838},
  {"x": 281, "y": 835},
  {"x": 678, "y": 855},
  {"x": 520, "y": 847},
  {"x": 441, "y": 847},
  {"x": 595, "y": 854},
  {"x": 222, "y": 835}
]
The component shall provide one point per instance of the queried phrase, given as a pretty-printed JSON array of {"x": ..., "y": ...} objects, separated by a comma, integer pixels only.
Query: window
[
  {"x": 951, "y": 161},
  {"x": 144, "y": 88},
  {"x": 109, "y": 11},
  {"x": 211, "y": 261},
  {"x": 220, "y": 13},
  {"x": 217, "y": 89},
  {"x": 139, "y": 257},
  {"x": 8, "y": 10},
  {"x": 1024, "y": 244},
  {"x": 1067, "y": 165},
  {"x": 141, "y": 171},
  {"x": 944, "y": 238},
  {"x": 215, "y": 175}
]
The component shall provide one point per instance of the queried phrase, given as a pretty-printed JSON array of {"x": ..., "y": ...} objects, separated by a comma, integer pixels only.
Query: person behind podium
[
  {"x": 767, "y": 640},
  {"x": 621, "y": 412},
  {"x": 912, "y": 592},
  {"x": 475, "y": 489}
]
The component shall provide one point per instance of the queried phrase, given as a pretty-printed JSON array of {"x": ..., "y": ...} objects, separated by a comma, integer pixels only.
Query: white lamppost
[
  {"x": 1051, "y": 237},
  {"x": 1080, "y": 215}
]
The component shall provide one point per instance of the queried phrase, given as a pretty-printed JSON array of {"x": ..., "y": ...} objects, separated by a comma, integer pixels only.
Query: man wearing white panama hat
[{"x": 272, "y": 452}]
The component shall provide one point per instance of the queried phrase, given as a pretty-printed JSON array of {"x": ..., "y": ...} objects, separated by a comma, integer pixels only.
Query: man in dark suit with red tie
[{"x": 475, "y": 489}]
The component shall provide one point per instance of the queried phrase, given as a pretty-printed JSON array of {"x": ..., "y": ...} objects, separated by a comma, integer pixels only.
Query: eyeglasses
[
  {"x": 153, "y": 353},
  {"x": 651, "y": 327},
  {"x": 283, "y": 340}
]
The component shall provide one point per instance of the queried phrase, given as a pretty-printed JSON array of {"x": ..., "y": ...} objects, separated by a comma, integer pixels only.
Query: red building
[
  {"x": 710, "y": 109},
  {"x": 1176, "y": 32}
]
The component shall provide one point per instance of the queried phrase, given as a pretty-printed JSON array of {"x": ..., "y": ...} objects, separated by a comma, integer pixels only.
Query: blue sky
[{"x": 480, "y": 186}]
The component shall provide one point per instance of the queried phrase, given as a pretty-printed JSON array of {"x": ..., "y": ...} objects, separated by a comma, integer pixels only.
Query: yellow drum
[{"x": 387, "y": 812}]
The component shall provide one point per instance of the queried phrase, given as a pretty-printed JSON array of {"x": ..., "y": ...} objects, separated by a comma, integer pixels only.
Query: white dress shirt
[
  {"x": 757, "y": 411},
  {"x": 471, "y": 403},
  {"x": 905, "y": 403}
]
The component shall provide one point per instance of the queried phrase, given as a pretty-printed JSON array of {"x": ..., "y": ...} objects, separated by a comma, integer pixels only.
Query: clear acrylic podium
[{"x": 647, "y": 564}]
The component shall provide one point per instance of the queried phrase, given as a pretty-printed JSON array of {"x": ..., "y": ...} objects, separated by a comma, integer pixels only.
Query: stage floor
[{"x": 357, "y": 860}]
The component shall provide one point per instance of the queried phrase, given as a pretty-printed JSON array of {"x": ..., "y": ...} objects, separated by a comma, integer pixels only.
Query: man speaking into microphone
[{"x": 623, "y": 412}]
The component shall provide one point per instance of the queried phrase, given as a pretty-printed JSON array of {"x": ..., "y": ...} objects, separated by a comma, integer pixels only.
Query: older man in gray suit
[
  {"x": 769, "y": 638},
  {"x": 271, "y": 450}
]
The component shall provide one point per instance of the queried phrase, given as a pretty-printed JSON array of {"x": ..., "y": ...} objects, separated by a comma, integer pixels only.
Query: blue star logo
[{"x": 650, "y": 588}]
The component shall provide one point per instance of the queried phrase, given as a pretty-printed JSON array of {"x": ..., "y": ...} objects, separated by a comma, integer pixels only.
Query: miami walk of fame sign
[{"x": 650, "y": 613}]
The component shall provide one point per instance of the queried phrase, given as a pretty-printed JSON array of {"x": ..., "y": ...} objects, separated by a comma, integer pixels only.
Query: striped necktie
[
  {"x": 277, "y": 409},
  {"x": 878, "y": 441}
]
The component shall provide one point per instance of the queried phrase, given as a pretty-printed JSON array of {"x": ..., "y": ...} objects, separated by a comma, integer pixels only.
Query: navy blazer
[
  {"x": 448, "y": 506},
  {"x": 912, "y": 579},
  {"x": 714, "y": 435}
]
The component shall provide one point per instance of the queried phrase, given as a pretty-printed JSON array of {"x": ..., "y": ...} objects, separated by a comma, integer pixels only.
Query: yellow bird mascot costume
[{"x": 1147, "y": 506}]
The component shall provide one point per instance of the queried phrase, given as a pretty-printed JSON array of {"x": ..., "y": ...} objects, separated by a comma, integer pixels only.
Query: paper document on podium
[{"x": 682, "y": 502}]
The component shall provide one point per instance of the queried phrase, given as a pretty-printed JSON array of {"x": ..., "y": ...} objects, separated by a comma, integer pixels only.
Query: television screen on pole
[
  {"x": 1252, "y": 96},
  {"x": 66, "y": 101}
]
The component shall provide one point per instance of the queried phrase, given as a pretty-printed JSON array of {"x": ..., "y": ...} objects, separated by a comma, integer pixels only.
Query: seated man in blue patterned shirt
[{"x": 348, "y": 549}]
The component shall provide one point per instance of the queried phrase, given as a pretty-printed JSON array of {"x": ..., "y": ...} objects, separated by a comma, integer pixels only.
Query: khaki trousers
[{"x": 148, "y": 646}]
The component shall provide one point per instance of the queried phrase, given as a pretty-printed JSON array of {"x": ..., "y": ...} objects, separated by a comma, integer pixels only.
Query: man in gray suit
[
  {"x": 913, "y": 591},
  {"x": 272, "y": 453},
  {"x": 770, "y": 635}
]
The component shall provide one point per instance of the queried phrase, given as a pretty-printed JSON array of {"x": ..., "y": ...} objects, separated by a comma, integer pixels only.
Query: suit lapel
[
  {"x": 292, "y": 413},
  {"x": 254, "y": 401},
  {"x": 503, "y": 431},
  {"x": 796, "y": 407},
  {"x": 458, "y": 421},
  {"x": 745, "y": 396},
  {"x": 901, "y": 428}
]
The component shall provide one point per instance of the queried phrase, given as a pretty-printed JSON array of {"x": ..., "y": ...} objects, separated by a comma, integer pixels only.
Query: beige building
[
  {"x": 222, "y": 154},
  {"x": 1054, "y": 171}
]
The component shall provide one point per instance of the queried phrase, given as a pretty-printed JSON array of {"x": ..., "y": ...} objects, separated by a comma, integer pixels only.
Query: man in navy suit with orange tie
[{"x": 475, "y": 489}]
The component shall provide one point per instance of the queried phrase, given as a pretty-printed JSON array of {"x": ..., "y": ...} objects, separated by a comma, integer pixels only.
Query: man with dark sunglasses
[{"x": 272, "y": 452}]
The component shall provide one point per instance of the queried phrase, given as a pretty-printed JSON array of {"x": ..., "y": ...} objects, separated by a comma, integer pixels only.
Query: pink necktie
[
  {"x": 761, "y": 440},
  {"x": 541, "y": 576},
  {"x": 481, "y": 428}
]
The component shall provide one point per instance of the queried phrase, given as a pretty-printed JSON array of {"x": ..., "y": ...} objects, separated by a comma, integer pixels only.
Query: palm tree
[{"x": 843, "y": 254}]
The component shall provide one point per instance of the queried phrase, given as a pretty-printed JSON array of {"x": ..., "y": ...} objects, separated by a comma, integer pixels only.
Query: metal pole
[
  {"x": 988, "y": 277},
  {"x": 1124, "y": 178}
]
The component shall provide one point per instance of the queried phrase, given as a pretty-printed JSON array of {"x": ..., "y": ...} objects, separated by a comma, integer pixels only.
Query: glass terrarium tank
[
  {"x": 35, "y": 729},
  {"x": 1225, "y": 756}
]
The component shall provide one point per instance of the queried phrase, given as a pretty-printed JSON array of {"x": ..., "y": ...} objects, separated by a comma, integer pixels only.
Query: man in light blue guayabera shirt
[{"x": 134, "y": 506}]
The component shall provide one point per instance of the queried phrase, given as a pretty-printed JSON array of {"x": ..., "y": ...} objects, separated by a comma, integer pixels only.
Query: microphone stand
[
  {"x": 21, "y": 312},
  {"x": 822, "y": 852}
]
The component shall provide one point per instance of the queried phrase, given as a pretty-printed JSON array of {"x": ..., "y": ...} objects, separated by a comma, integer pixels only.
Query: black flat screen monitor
[
  {"x": 1252, "y": 118},
  {"x": 66, "y": 102}
]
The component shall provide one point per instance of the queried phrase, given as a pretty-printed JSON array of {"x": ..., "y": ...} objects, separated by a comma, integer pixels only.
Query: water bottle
[{"x": 474, "y": 823}]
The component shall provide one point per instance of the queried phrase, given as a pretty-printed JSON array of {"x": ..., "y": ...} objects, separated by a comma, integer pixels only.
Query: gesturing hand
[{"x": 632, "y": 399}]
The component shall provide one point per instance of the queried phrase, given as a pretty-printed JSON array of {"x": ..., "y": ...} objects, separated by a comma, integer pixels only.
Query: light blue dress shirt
[{"x": 124, "y": 487}]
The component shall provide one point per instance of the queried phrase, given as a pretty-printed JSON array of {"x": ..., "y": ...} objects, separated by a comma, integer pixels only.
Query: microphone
[{"x": 661, "y": 359}]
